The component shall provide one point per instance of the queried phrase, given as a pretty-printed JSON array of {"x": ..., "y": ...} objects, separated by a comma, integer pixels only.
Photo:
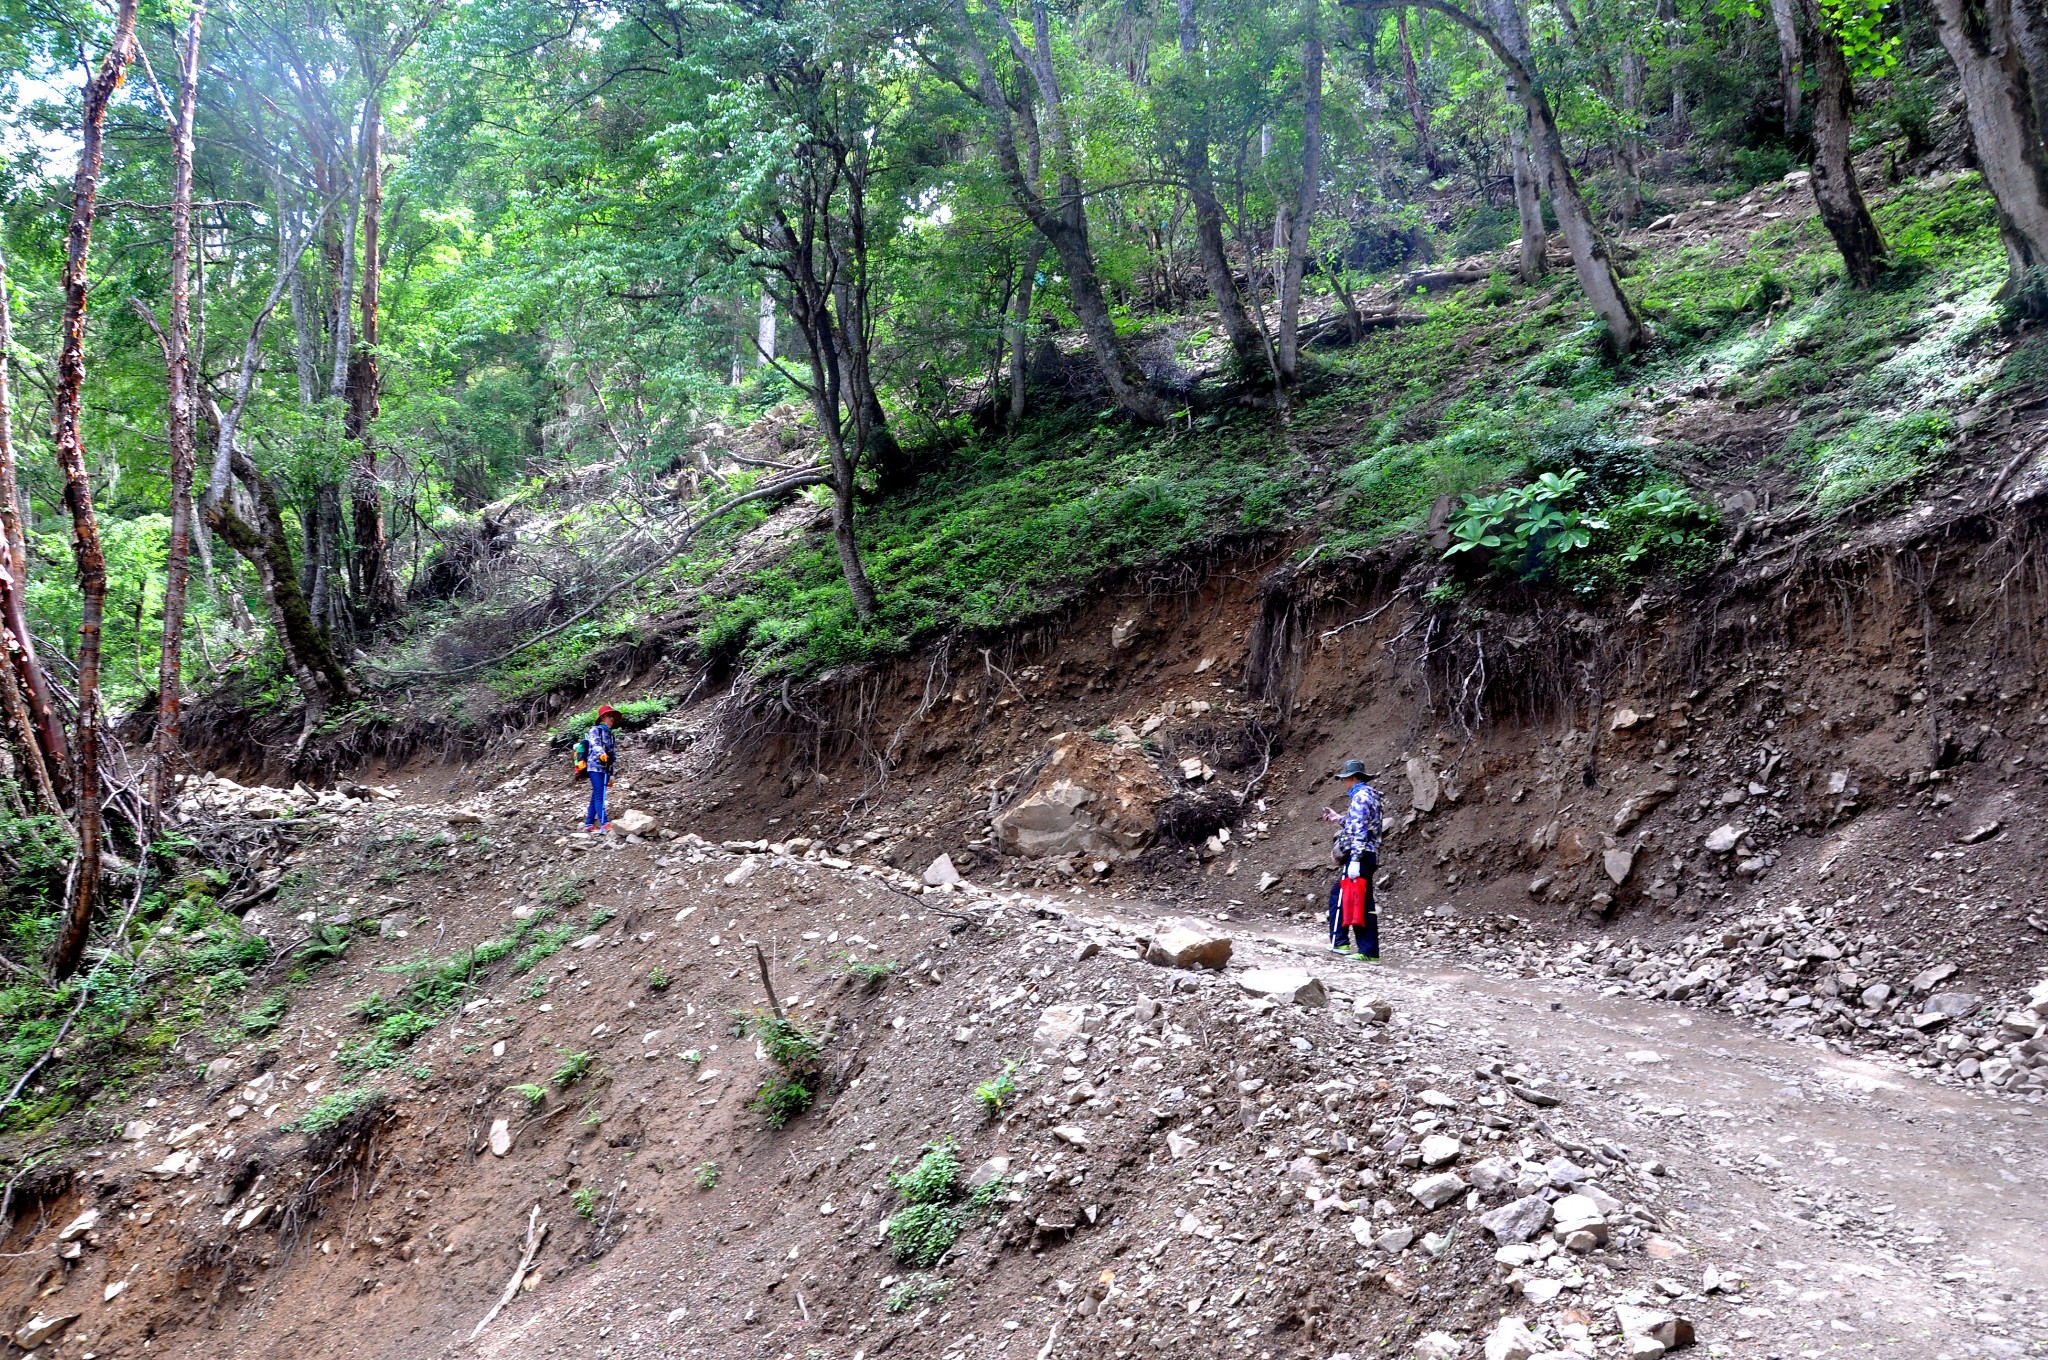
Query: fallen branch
[
  {"x": 796, "y": 482},
  {"x": 767, "y": 984},
  {"x": 536, "y": 1233}
]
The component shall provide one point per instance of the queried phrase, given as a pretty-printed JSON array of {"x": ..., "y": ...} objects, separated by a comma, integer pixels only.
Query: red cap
[{"x": 607, "y": 712}]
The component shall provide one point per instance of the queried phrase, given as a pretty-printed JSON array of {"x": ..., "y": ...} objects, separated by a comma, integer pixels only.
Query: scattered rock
[
  {"x": 1073, "y": 1135},
  {"x": 1618, "y": 863},
  {"x": 1517, "y": 1221},
  {"x": 1433, "y": 1192},
  {"x": 1186, "y": 945},
  {"x": 1285, "y": 984},
  {"x": 501, "y": 1137},
  {"x": 1180, "y": 1145},
  {"x": 80, "y": 1226},
  {"x": 41, "y": 1328},
  {"x": 634, "y": 822},
  {"x": 1933, "y": 977},
  {"x": 940, "y": 872},
  {"x": 1440, "y": 1150},
  {"x": 1978, "y": 834},
  {"x": 1424, "y": 788},
  {"x": 1061, "y": 1027},
  {"x": 1724, "y": 838},
  {"x": 1511, "y": 1339}
]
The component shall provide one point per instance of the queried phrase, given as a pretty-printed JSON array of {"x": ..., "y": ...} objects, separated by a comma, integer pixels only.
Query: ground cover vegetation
[{"x": 426, "y": 357}]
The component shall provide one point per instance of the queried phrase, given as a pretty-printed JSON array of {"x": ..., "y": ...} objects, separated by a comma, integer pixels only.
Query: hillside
[{"x": 998, "y": 462}]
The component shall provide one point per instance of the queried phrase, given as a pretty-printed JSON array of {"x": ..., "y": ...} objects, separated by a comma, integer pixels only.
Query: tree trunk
[
  {"x": 1982, "y": 40},
  {"x": 1674, "y": 42},
  {"x": 1216, "y": 270},
  {"x": 764, "y": 330},
  {"x": 53, "y": 752},
  {"x": 182, "y": 425},
  {"x": 26, "y": 739},
  {"x": 376, "y": 581},
  {"x": 1020, "y": 327},
  {"x": 267, "y": 546},
  {"x": 306, "y": 649},
  {"x": 1289, "y": 350},
  {"x": 1508, "y": 35},
  {"x": 1785, "y": 15},
  {"x": 1842, "y": 210},
  {"x": 1530, "y": 265},
  {"x": 85, "y": 531},
  {"x": 1418, "y": 112},
  {"x": 1064, "y": 220},
  {"x": 1631, "y": 143}
]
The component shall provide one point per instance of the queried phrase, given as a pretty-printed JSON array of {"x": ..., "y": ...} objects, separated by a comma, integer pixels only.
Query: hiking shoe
[
  {"x": 606, "y": 827},
  {"x": 1340, "y": 949}
]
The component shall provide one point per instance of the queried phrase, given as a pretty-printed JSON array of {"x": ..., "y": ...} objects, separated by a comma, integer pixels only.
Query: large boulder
[{"x": 1094, "y": 798}]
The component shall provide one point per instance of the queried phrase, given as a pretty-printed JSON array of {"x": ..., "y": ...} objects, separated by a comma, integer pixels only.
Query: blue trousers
[
  {"x": 1367, "y": 935},
  {"x": 596, "y": 816}
]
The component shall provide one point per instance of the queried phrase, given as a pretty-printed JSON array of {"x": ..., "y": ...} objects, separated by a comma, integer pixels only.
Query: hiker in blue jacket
[
  {"x": 597, "y": 754},
  {"x": 1357, "y": 853}
]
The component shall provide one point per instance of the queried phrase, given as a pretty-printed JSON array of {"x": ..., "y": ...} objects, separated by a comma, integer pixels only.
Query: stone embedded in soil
[
  {"x": 634, "y": 822},
  {"x": 1185, "y": 945},
  {"x": 1933, "y": 977},
  {"x": 1073, "y": 1135},
  {"x": 742, "y": 871},
  {"x": 1440, "y": 1150},
  {"x": 1541, "y": 1097},
  {"x": 80, "y": 1226},
  {"x": 1618, "y": 863},
  {"x": 1285, "y": 984},
  {"x": 1423, "y": 786},
  {"x": 41, "y": 1328},
  {"x": 1517, "y": 1221},
  {"x": 1180, "y": 1145},
  {"x": 501, "y": 1137},
  {"x": 1061, "y": 1027},
  {"x": 1511, "y": 1339},
  {"x": 1723, "y": 838},
  {"x": 1954, "y": 1005},
  {"x": 940, "y": 872},
  {"x": 1433, "y": 1192},
  {"x": 1577, "y": 1218},
  {"x": 1661, "y": 1325}
]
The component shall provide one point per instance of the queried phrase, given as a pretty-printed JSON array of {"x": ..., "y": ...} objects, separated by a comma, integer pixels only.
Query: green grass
[
  {"x": 329, "y": 1111},
  {"x": 934, "y": 1213}
]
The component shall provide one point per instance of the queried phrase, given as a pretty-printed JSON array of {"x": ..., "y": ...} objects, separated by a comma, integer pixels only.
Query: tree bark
[
  {"x": 376, "y": 580},
  {"x": 1020, "y": 327},
  {"x": 1982, "y": 39},
  {"x": 1530, "y": 264},
  {"x": 1785, "y": 16},
  {"x": 85, "y": 533},
  {"x": 53, "y": 753},
  {"x": 1289, "y": 349},
  {"x": 1064, "y": 220},
  {"x": 1842, "y": 210},
  {"x": 1506, "y": 31},
  {"x": 1209, "y": 247},
  {"x": 1418, "y": 112},
  {"x": 181, "y": 425},
  {"x": 1674, "y": 42}
]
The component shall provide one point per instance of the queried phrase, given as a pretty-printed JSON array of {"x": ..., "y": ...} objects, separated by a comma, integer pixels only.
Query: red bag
[{"x": 1352, "y": 894}]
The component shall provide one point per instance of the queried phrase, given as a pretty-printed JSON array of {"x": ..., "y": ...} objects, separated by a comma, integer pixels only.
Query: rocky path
[{"x": 1867, "y": 1212}]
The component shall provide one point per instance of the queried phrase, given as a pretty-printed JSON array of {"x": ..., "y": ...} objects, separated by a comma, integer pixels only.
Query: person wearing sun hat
[
  {"x": 1354, "y": 912},
  {"x": 597, "y": 754}
]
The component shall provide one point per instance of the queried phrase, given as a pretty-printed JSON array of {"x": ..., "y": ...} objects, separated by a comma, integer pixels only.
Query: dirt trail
[{"x": 1870, "y": 1211}]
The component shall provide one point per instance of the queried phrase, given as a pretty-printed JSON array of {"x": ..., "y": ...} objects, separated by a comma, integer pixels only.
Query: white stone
[
  {"x": 634, "y": 822},
  {"x": 1285, "y": 984},
  {"x": 1724, "y": 837},
  {"x": 501, "y": 1137},
  {"x": 1440, "y": 1150},
  {"x": 1433, "y": 1191},
  {"x": 1511, "y": 1339},
  {"x": 80, "y": 1226},
  {"x": 940, "y": 872}
]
